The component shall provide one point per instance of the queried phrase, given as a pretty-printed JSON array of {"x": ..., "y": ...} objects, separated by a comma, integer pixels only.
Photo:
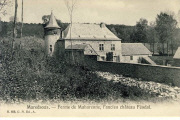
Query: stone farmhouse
[{"x": 93, "y": 40}]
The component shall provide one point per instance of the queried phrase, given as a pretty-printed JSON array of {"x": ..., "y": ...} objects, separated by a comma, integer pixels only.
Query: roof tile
[
  {"x": 52, "y": 22},
  {"x": 134, "y": 49},
  {"x": 89, "y": 32}
]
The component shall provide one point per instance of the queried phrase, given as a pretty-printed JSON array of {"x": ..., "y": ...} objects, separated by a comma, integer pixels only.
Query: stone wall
[
  {"x": 136, "y": 58},
  {"x": 176, "y": 62},
  {"x": 161, "y": 74}
]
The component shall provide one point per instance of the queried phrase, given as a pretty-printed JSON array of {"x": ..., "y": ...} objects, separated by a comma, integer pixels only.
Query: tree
[
  {"x": 70, "y": 4},
  {"x": 3, "y": 3},
  {"x": 152, "y": 36},
  {"x": 14, "y": 27},
  {"x": 0, "y": 25},
  {"x": 165, "y": 27},
  {"x": 22, "y": 13},
  {"x": 46, "y": 18},
  {"x": 11, "y": 25},
  {"x": 178, "y": 16},
  {"x": 140, "y": 32}
]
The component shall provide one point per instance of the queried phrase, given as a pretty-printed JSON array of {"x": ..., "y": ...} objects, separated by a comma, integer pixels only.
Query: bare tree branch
[
  {"x": 70, "y": 4},
  {"x": 15, "y": 20},
  {"x": 22, "y": 13},
  {"x": 3, "y": 4}
]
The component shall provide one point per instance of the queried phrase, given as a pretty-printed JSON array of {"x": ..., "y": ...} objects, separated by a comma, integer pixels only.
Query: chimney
[{"x": 102, "y": 25}]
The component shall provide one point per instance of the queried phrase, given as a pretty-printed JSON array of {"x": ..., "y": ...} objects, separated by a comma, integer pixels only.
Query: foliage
[
  {"x": 140, "y": 32},
  {"x": 46, "y": 18},
  {"x": 29, "y": 29},
  {"x": 114, "y": 31},
  {"x": 165, "y": 27},
  {"x": 3, "y": 5},
  {"x": 152, "y": 36},
  {"x": 122, "y": 31}
]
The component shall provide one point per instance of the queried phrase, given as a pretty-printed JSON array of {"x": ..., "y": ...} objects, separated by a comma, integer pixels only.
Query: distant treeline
[
  {"x": 128, "y": 34},
  {"x": 33, "y": 29},
  {"x": 123, "y": 32},
  {"x": 29, "y": 29}
]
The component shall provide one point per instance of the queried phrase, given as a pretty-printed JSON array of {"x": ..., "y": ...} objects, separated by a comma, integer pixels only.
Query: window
[
  {"x": 101, "y": 47},
  {"x": 50, "y": 48},
  {"x": 131, "y": 57},
  {"x": 113, "y": 47}
]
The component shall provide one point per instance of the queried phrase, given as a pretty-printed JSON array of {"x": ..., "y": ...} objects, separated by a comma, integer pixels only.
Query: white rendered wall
[
  {"x": 50, "y": 40},
  {"x": 126, "y": 59}
]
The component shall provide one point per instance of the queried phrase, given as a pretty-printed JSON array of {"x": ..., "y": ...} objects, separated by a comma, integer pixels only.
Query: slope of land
[{"x": 29, "y": 75}]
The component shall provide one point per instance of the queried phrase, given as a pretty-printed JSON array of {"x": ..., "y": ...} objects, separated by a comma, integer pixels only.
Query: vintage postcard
[{"x": 89, "y": 58}]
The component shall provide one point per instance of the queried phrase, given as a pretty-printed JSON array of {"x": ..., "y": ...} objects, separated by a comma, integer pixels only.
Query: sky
[{"x": 126, "y": 12}]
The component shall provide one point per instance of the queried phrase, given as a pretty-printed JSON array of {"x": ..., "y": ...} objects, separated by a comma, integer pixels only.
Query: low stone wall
[{"x": 161, "y": 74}]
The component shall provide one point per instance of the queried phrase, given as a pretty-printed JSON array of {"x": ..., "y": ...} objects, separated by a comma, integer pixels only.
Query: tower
[{"x": 52, "y": 35}]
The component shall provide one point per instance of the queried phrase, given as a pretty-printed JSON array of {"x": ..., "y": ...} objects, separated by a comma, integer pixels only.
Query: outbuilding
[{"x": 135, "y": 53}]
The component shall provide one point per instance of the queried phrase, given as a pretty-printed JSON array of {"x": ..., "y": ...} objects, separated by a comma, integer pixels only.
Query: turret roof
[{"x": 52, "y": 22}]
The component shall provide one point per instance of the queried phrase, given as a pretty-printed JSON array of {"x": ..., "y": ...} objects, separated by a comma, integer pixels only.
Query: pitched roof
[
  {"x": 52, "y": 22},
  {"x": 88, "y": 50},
  {"x": 177, "y": 54},
  {"x": 134, "y": 49},
  {"x": 89, "y": 32}
]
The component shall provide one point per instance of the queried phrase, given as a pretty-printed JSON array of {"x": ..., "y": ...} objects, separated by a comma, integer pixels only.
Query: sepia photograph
[{"x": 89, "y": 58}]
